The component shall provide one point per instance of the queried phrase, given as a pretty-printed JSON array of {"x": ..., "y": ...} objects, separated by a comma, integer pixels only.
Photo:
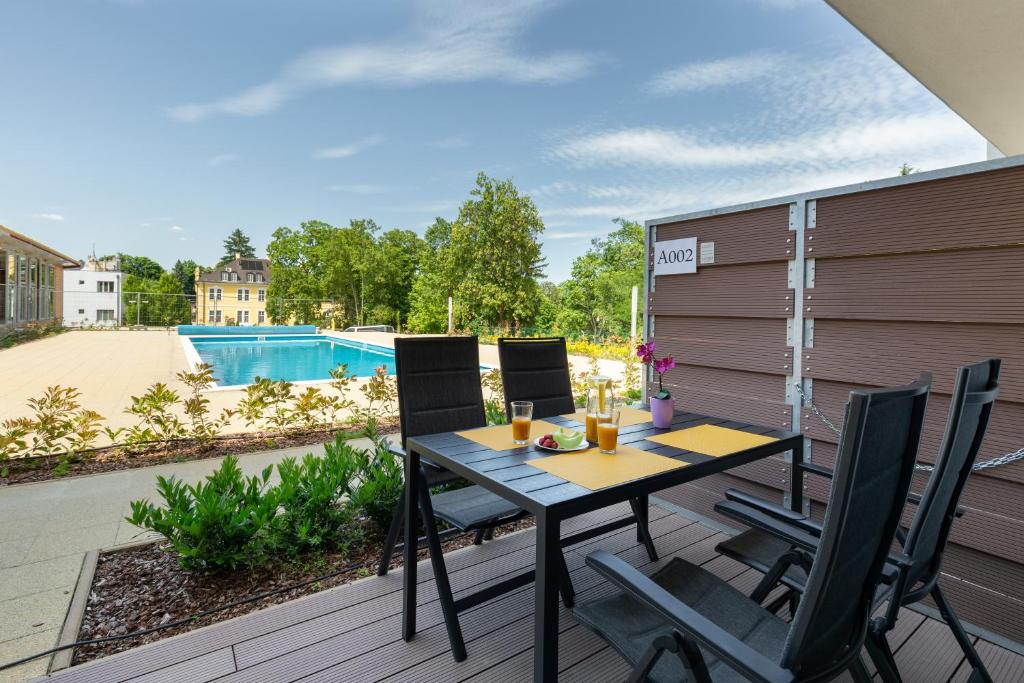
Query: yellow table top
[
  {"x": 627, "y": 418},
  {"x": 711, "y": 440},
  {"x": 499, "y": 437},
  {"x": 595, "y": 470}
]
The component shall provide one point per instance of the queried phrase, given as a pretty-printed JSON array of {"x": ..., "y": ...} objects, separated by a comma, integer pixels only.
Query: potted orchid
[{"x": 662, "y": 404}]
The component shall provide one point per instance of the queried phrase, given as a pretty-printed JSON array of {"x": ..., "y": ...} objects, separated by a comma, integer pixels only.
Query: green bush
[
  {"x": 314, "y": 513},
  {"x": 381, "y": 479},
  {"x": 217, "y": 524}
]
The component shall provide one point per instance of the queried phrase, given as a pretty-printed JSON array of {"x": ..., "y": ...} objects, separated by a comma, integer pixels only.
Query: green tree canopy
[
  {"x": 596, "y": 300},
  {"x": 237, "y": 244},
  {"x": 440, "y": 273},
  {"x": 155, "y": 302},
  {"x": 139, "y": 266},
  {"x": 185, "y": 273}
]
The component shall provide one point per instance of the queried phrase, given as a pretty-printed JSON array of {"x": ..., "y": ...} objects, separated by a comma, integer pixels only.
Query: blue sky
[{"x": 157, "y": 126}]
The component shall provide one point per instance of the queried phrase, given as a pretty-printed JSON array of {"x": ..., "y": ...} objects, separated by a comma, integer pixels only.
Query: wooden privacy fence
[{"x": 816, "y": 294}]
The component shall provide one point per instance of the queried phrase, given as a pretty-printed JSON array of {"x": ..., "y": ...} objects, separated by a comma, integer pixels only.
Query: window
[
  {"x": 243, "y": 317},
  {"x": 227, "y": 276},
  {"x": 243, "y": 294},
  {"x": 81, "y": 282},
  {"x": 254, "y": 277},
  {"x": 104, "y": 315},
  {"x": 262, "y": 295},
  {"x": 216, "y": 293},
  {"x": 261, "y": 316},
  {"x": 81, "y": 311},
  {"x": 214, "y": 316},
  {"x": 105, "y": 286}
]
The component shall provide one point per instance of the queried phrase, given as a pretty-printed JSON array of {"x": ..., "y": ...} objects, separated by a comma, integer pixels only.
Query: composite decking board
[
  {"x": 292, "y": 638},
  {"x": 582, "y": 657},
  {"x": 196, "y": 643},
  {"x": 931, "y": 654},
  {"x": 513, "y": 610},
  {"x": 202, "y": 669},
  {"x": 1002, "y": 664},
  {"x": 511, "y": 646}
]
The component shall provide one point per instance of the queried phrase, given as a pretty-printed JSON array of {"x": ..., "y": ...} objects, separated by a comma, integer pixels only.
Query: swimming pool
[{"x": 238, "y": 360}]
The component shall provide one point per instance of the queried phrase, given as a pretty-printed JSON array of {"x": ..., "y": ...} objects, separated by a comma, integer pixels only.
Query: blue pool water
[{"x": 240, "y": 359}]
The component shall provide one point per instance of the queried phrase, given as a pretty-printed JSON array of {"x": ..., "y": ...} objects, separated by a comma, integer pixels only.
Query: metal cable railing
[{"x": 999, "y": 461}]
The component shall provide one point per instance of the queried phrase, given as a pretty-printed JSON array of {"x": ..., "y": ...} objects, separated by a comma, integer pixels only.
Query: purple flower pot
[{"x": 662, "y": 410}]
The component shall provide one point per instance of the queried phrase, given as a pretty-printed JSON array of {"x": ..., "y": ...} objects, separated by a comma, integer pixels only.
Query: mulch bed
[
  {"x": 143, "y": 587},
  {"x": 28, "y": 470}
]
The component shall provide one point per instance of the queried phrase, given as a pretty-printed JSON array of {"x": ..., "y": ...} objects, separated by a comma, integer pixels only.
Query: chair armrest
[
  {"x": 915, "y": 499},
  {"x": 819, "y": 470},
  {"x": 783, "y": 514},
  {"x": 396, "y": 450},
  {"x": 756, "y": 519},
  {"x": 695, "y": 626}
]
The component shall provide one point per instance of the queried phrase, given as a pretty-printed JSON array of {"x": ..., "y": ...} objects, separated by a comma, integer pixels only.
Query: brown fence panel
[
  {"x": 926, "y": 277},
  {"x": 921, "y": 274},
  {"x": 726, "y": 326}
]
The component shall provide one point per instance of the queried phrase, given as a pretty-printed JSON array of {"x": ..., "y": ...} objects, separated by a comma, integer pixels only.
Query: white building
[{"x": 92, "y": 295}]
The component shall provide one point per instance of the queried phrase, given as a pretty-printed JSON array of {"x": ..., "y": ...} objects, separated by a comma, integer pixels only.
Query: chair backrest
[
  {"x": 537, "y": 370},
  {"x": 874, "y": 465},
  {"x": 438, "y": 385},
  {"x": 970, "y": 407}
]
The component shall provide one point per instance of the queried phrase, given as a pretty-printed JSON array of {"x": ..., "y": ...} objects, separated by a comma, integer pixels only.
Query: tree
[
  {"x": 155, "y": 302},
  {"x": 139, "y": 266},
  {"x": 907, "y": 169},
  {"x": 388, "y": 278},
  {"x": 440, "y": 272},
  {"x": 237, "y": 244},
  {"x": 596, "y": 300},
  {"x": 496, "y": 237},
  {"x": 185, "y": 273}
]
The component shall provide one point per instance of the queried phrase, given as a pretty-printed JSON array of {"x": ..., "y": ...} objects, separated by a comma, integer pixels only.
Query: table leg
[
  {"x": 545, "y": 617},
  {"x": 412, "y": 482},
  {"x": 796, "y": 478}
]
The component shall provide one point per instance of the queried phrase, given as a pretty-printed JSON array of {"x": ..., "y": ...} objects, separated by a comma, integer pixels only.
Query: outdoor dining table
[{"x": 524, "y": 475}]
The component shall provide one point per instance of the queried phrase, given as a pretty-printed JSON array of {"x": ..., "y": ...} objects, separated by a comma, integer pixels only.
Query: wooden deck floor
[{"x": 352, "y": 633}]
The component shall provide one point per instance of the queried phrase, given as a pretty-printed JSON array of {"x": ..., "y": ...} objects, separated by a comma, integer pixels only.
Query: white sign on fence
[{"x": 675, "y": 257}]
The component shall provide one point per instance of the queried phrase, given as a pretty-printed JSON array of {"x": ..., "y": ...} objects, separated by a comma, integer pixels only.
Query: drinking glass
[
  {"x": 608, "y": 427},
  {"x": 522, "y": 414}
]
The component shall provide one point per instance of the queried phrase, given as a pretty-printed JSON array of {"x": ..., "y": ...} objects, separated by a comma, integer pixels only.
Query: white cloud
[
  {"x": 358, "y": 188},
  {"x": 351, "y": 149},
  {"x": 221, "y": 159},
  {"x": 898, "y": 134},
  {"x": 177, "y": 228},
  {"x": 698, "y": 76},
  {"x": 812, "y": 124},
  {"x": 452, "y": 41},
  {"x": 48, "y": 217}
]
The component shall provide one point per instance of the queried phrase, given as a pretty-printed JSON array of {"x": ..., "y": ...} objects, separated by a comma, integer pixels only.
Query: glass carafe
[{"x": 600, "y": 396}]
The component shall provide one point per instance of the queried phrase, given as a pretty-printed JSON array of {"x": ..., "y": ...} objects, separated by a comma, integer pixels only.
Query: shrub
[
  {"x": 13, "y": 440},
  {"x": 381, "y": 478},
  {"x": 197, "y": 407},
  {"x": 381, "y": 392},
  {"x": 157, "y": 421},
  {"x": 216, "y": 524},
  {"x": 314, "y": 513},
  {"x": 312, "y": 409},
  {"x": 266, "y": 403}
]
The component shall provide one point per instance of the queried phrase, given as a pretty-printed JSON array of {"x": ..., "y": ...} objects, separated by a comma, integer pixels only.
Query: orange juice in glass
[
  {"x": 522, "y": 416},
  {"x": 599, "y": 397},
  {"x": 608, "y": 428}
]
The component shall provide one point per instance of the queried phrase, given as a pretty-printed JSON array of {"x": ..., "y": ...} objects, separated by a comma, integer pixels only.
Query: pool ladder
[{"x": 261, "y": 338}]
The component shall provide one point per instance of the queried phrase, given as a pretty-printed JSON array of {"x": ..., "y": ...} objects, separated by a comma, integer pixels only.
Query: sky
[{"x": 155, "y": 127}]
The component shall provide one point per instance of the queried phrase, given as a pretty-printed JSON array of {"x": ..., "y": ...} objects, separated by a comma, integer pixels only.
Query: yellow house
[{"x": 234, "y": 294}]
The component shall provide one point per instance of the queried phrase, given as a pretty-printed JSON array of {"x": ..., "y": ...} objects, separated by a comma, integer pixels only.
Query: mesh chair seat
[
  {"x": 761, "y": 551},
  {"x": 473, "y": 507},
  {"x": 631, "y": 627}
]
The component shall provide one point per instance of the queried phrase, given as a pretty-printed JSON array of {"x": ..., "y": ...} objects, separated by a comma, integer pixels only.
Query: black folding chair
[
  {"x": 439, "y": 391},
  {"x": 767, "y": 545},
  {"x": 537, "y": 370},
  {"x": 716, "y": 633}
]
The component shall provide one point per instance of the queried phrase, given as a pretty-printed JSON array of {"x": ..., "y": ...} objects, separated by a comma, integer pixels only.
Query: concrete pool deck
[{"x": 109, "y": 367}]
